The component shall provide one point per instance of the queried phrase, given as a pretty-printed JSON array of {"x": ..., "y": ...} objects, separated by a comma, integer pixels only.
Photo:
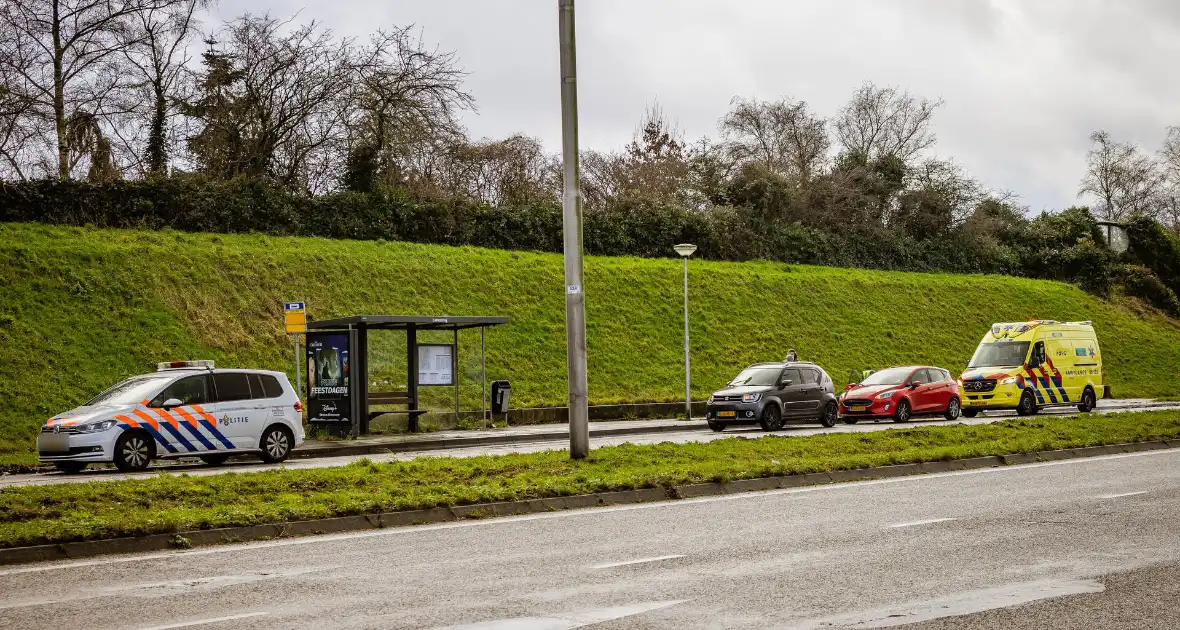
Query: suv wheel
[
  {"x": 903, "y": 413},
  {"x": 970, "y": 413},
  {"x": 1088, "y": 401},
  {"x": 772, "y": 418},
  {"x": 134, "y": 450},
  {"x": 831, "y": 415},
  {"x": 276, "y": 444},
  {"x": 717, "y": 426}
]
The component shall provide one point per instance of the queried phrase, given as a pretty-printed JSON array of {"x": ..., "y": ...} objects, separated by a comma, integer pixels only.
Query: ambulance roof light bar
[{"x": 184, "y": 365}]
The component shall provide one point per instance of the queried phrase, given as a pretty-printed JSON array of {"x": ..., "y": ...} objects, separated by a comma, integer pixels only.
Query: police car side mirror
[{"x": 173, "y": 402}]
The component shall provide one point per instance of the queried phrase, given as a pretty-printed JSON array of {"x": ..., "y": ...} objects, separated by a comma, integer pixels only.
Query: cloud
[{"x": 1024, "y": 82}]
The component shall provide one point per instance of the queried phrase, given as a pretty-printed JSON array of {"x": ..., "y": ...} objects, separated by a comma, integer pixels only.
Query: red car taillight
[{"x": 299, "y": 406}]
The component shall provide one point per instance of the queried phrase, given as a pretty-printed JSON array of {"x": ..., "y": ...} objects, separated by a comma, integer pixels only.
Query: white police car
[{"x": 186, "y": 408}]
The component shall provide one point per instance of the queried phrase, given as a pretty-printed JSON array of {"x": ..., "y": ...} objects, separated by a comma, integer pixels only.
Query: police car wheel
[
  {"x": 1088, "y": 402},
  {"x": 134, "y": 450},
  {"x": 70, "y": 468},
  {"x": 276, "y": 444},
  {"x": 214, "y": 460},
  {"x": 717, "y": 426}
]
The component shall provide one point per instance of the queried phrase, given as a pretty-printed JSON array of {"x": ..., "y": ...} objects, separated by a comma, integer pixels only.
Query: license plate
[
  {"x": 54, "y": 443},
  {"x": 726, "y": 414},
  {"x": 859, "y": 408}
]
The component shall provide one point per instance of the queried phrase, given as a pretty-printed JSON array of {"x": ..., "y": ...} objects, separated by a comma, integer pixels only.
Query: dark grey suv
[{"x": 772, "y": 394}]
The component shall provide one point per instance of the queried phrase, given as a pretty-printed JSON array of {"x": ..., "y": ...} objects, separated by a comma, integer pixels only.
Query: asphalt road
[
  {"x": 688, "y": 435},
  {"x": 953, "y": 550}
]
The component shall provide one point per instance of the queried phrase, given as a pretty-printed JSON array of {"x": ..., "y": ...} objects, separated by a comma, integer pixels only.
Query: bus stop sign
[{"x": 295, "y": 317}]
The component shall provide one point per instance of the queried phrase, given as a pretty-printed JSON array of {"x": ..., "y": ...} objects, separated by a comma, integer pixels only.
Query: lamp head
[{"x": 685, "y": 249}]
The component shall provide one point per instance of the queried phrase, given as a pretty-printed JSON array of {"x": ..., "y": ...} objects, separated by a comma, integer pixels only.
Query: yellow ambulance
[{"x": 1028, "y": 366}]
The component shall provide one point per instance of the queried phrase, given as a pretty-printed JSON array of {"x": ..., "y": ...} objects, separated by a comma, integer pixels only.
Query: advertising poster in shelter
[{"x": 328, "y": 378}]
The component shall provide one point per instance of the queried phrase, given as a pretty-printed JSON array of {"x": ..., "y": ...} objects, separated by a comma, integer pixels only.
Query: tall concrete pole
[{"x": 575, "y": 295}]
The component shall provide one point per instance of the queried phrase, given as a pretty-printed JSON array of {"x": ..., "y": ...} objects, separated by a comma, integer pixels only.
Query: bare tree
[
  {"x": 655, "y": 166},
  {"x": 512, "y": 172},
  {"x": 64, "y": 52},
  {"x": 886, "y": 120},
  {"x": 268, "y": 102},
  {"x": 1122, "y": 179},
  {"x": 21, "y": 130},
  {"x": 403, "y": 103},
  {"x": 783, "y": 135},
  {"x": 1170, "y": 163},
  {"x": 159, "y": 56}
]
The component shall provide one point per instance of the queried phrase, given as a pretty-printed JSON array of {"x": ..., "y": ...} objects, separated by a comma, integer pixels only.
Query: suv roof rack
[{"x": 184, "y": 365}]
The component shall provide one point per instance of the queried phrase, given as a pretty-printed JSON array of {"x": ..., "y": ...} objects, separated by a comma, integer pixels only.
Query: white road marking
[
  {"x": 156, "y": 589},
  {"x": 1119, "y": 496},
  {"x": 925, "y": 522},
  {"x": 205, "y": 622},
  {"x": 567, "y": 621},
  {"x": 400, "y": 531},
  {"x": 956, "y": 605},
  {"x": 630, "y": 562}
]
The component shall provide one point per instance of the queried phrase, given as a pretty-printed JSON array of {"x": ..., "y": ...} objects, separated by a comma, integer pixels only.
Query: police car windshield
[
  {"x": 893, "y": 376},
  {"x": 757, "y": 377},
  {"x": 132, "y": 390},
  {"x": 999, "y": 354}
]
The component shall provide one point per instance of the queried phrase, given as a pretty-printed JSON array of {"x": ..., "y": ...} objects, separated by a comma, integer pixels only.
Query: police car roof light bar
[{"x": 184, "y": 365}]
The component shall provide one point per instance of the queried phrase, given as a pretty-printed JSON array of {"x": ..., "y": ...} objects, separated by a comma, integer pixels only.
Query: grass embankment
[
  {"x": 83, "y": 308},
  {"x": 165, "y": 504}
]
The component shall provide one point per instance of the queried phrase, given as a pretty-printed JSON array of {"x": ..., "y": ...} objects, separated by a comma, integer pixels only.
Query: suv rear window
[
  {"x": 232, "y": 386},
  {"x": 265, "y": 386}
]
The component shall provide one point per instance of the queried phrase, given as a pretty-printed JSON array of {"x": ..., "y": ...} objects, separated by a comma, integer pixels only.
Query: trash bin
[{"x": 500, "y": 392}]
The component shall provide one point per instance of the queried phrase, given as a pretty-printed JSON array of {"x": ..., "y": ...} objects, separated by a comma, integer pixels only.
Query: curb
[{"x": 202, "y": 538}]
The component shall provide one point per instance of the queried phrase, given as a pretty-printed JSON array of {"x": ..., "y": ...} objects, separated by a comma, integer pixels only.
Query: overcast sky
[{"x": 1024, "y": 81}]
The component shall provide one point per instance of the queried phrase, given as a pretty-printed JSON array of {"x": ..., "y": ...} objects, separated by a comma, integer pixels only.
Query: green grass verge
[
  {"x": 83, "y": 308},
  {"x": 165, "y": 504}
]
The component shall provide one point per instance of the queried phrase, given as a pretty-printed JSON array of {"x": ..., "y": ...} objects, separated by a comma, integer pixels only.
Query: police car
[{"x": 186, "y": 408}]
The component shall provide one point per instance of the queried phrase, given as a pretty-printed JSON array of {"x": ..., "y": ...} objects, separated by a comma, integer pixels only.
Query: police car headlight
[
  {"x": 1008, "y": 381},
  {"x": 886, "y": 395},
  {"x": 95, "y": 427},
  {"x": 751, "y": 397}
]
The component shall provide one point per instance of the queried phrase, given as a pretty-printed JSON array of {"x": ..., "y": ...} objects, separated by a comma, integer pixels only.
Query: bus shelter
[{"x": 337, "y": 361}]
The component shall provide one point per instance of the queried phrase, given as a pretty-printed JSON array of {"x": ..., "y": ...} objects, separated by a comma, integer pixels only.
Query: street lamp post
[{"x": 685, "y": 250}]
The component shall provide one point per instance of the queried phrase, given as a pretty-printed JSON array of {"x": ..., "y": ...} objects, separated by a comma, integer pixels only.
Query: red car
[{"x": 900, "y": 393}]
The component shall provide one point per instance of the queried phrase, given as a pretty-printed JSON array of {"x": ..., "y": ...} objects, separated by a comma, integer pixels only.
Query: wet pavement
[{"x": 1036, "y": 546}]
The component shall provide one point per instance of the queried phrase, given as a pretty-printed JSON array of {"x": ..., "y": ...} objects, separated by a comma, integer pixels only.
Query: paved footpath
[
  {"x": 527, "y": 439},
  {"x": 1090, "y": 543}
]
